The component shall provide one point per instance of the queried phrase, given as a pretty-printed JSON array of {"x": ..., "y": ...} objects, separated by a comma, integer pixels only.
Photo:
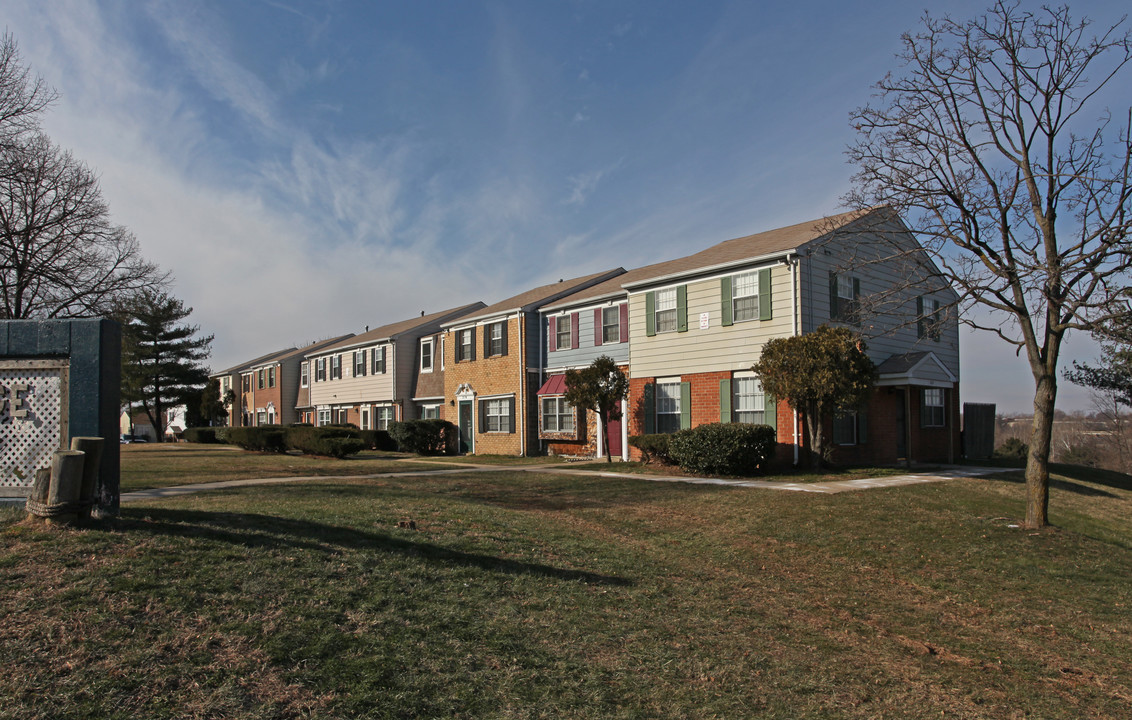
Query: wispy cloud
[{"x": 582, "y": 186}]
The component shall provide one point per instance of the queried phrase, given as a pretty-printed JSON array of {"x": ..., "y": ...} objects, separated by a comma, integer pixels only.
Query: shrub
[
  {"x": 722, "y": 448},
  {"x": 654, "y": 448},
  {"x": 330, "y": 440},
  {"x": 201, "y": 435},
  {"x": 222, "y": 434},
  {"x": 271, "y": 438},
  {"x": 423, "y": 437},
  {"x": 1012, "y": 449},
  {"x": 378, "y": 440}
]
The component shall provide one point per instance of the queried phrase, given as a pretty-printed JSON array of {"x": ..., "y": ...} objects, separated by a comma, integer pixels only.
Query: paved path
[{"x": 826, "y": 488}]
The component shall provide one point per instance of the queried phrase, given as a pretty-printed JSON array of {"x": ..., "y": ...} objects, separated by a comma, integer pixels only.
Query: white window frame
[
  {"x": 430, "y": 411},
  {"x": 320, "y": 370},
  {"x": 323, "y": 416},
  {"x": 564, "y": 325},
  {"x": 745, "y": 296},
  {"x": 304, "y": 374},
  {"x": 562, "y": 415},
  {"x": 667, "y": 405},
  {"x": 607, "y": 326},
  {"x": 748, "y": 400},
  {"x": 497, "y": 415},
  {"x": 665, "y": 314},
  {"x": 426, "y": 355},
  {"x": 359, "y": 363},
  {"x": 934, "y": 413},
  {"x": 336, "y": 367},
  {"x": 463, "y": 355},
  {"x": 363, "y": 419},
  {"x": 382, "y": 416},
  {"x": 845, "y": 287}
]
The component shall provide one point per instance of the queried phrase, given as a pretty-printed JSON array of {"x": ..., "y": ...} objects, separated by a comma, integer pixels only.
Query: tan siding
[
  {"x": 716, "y": 349},
  {"x": 349, "y": 390}
]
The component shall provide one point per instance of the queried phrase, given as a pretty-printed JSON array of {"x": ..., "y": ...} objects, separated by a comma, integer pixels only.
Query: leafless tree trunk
[{"x": 983, "y": 146}]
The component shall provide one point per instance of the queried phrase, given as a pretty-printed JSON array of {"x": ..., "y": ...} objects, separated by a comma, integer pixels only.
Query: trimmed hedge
[
  {"x": 378, "y": 440},
  {"x": 654, "y": 448},
  {"x": 201, "y": 435},
  {"x": 265, "y": 438},
  {"x": 334, "y": 441},
  {"x": 423, "y": 437},
  {"x": 722, "y": 448}
]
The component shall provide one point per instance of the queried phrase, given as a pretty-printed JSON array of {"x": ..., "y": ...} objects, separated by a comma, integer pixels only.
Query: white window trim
[
  {"x": 735, "y": 296},
  {"x": 427, "y": 342}
]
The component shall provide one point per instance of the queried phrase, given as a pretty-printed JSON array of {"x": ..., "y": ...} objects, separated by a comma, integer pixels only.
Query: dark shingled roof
[
  {"x": 388, "y": 332},
  {"x": 532, "y": 299}
]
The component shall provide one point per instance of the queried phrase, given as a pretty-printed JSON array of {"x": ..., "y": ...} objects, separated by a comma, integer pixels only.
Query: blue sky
[{"x": 309, "y": 168}]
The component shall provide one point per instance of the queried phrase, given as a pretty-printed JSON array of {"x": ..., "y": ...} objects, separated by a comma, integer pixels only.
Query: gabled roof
[
  {"x": 536, "y": 298},
  {"x": 262, "y": 359},
  {"x": 751, "y": 248},
  {"x": 917, "y": 368},
  {"x": 393, "y": 330},
  {"x": 313, "y": 347}
]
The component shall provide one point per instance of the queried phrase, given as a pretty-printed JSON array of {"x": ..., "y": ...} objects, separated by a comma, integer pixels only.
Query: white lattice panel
[{"x": 33, "y": 406}]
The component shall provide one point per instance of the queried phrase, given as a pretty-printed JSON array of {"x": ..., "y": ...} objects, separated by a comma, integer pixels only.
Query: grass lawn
[
  {"x": 528, "y": 595},
  {"x": 164, "y": 464},
  {"x": 824, "y": 475}
]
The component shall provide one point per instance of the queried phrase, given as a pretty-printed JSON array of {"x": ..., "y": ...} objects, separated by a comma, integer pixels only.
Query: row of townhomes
[{"x": 685, "y": 331}]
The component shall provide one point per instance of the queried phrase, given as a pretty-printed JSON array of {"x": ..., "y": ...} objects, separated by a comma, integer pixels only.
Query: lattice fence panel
[{"x": 27, "y": 442}]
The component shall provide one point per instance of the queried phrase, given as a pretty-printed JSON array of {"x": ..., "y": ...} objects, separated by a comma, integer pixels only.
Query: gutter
[{"x": 692, "y": 273}]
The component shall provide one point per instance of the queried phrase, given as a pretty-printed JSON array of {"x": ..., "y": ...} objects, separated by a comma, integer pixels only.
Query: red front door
[{"x": 613, "y": 442}]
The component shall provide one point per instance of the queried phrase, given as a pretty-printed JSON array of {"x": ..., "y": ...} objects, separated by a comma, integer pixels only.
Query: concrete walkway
[{"x": 826, "y": 488}]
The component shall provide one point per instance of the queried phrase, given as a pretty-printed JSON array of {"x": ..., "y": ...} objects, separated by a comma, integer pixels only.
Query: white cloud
[{"x": 582, "y": 186}]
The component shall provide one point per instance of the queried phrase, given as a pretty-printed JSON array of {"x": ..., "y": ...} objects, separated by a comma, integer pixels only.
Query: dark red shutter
[
  {"x": 624, "y": 322},
  {"x": 574, "y": 323},
  {"x": 552, "y": 334},
  {"x": 598, "y": 330}
]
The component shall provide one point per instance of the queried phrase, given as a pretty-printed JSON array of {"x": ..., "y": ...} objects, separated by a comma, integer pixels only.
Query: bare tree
[
  {"x": 60, "y": 256},
  {"x": 988, "y": 144}
]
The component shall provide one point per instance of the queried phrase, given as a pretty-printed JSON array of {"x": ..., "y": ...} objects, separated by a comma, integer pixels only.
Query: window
[
  {"x": 557, "y": 415},
  {"x": 323, "y": 416},
  {"x": 305, "y": 374},
  {"x": 260, "y": 417},
  {"x": 844, "y": 305},
  {"x": 247, "y": 382},
  {"x": 341, "y": 416},
  {"x": 497, "y": 415},
  {"x": 382, "y": 417},
  {"x": 271, "y": 376},
  {"x": 562, "y": 330},
  {"x": 430, "y": 412},
  {"x": 359, "y": 363},
  {"x": 320, "y": 369},
  {"x": 667, "y": 407},
  {"x": 745, "y": 296},
  {"x": 260, "y": 379},
  {"x": 364, "y": 422},
  {"x": 465, "y": 344},
  {"x": 378, "y": 354},
  {"x": 335, "y": 367},
  {"x": 496, "y": 339},
  {"x": 927, "y": 318},
  {"x": 845, "y": 428},
  {"x": 426, "y": 355},
  {"x": 611, "y": 324},
  {"x": 749, "y": 402},
  {"x": 666, "y": 310},
  {"x": 932, "y": 408},
  {"x": 441, "y": 352}
]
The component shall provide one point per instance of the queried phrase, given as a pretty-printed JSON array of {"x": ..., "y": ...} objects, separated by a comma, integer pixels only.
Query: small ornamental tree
[
  {"x": 600, "y": 387},
  {"x": 820, "y": 373}
]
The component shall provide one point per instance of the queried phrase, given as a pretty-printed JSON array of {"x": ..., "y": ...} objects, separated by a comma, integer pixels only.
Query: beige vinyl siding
[
  {"x": 288, "y": 390},
  {"x": 888, "y": 322},
  {"x": 350, "y": 390},
  {"x": 401, "y": 361},
  {"x": 716, "y": 349}
]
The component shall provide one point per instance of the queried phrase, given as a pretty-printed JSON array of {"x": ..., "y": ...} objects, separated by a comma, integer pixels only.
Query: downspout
[
  {"x": 795, "y": 302},
  {"x": 541, "y": 379},
  {"x": 522, "y": 388},
  {"x": 908, "y": 426}
]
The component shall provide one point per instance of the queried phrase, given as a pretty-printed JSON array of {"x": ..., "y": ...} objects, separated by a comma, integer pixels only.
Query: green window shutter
[
  {"x": 725, "y": 301},
  {"x": 650, "y": 408},
  {"x": 511, "y": 415},
  {"x": 685, "y": 405},
  {"x": 765, "y": 309},
  {"x": 725, "y": 401},
  {"x": 770, "y": 411},
  {"x": 834, "y": 311},
  {"x": 503, "y": 334},
  {"x": 681, "y": 308},
  {"x": 650, "y": 313},
  {"x": 919, "y": 317}
]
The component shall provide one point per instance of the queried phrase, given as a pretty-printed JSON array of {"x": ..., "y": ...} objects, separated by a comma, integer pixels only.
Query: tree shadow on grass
[
  {"x": 253, "y": 530},
  {"x": 1054, "y": 483}
]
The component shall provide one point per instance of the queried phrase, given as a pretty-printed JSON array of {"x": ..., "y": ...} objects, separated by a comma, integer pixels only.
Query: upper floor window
[
  {"x": 666, "y": 310},
  {"x": 260, "y": 377},
  {"x": 932, "y": 408},
  {"x": 335, "y": 367},
  {"x": 320, "y": 369},
  {"x": 745, "y": 296},
  {"x": 844, "y": 298},
  {"x": 271, "y": 377},
  {"x": 668, "y": 406},
  {"x": 562, "y": 331},
  {"x": 465, "y": 344},
  {"x": 928, "y": 318},
  {"x": 246, "y": 381},
  {"x": 378, "y": 354},
  {"x": 426, "y": 355},
  {"x": 359, "y": 363},
  {"x": 611, "y": 324},
  {"x": 497, "y": 339},
  {"x": 304, "y": 374}
]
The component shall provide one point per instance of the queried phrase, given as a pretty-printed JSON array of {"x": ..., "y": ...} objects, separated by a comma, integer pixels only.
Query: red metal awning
[{"x": 554, "y": 385}]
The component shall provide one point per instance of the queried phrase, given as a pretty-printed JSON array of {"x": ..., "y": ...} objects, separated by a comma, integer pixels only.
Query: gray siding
[{"x": 587, "y": 351}]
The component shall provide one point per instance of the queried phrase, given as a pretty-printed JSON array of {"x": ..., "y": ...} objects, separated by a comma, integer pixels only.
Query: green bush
[
  {"x": 1012, "y": 449},
  {"x": 330, "y": 440},
  {"x": 722, "y": 448},
  {"x": 378, "y": 440},
  {"x": 201, "y": 435},
  {"x": 654, "y": 448},
  {"x": 423, "y": 437},
  {"x": 223, "y": 434},
  {"x": 335, "y": 447},
  {"x": 269, "y": 438}
]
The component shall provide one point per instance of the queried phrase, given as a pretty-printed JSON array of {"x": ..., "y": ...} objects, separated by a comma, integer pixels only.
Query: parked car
[{"x": 127, "y": 439}]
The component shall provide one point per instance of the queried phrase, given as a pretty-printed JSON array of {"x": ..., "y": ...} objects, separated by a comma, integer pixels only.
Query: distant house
[
  {"x": 492, "y": 360},
  {"x": 697, "y": 329},
  {"x": 372, "y": 379}
]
